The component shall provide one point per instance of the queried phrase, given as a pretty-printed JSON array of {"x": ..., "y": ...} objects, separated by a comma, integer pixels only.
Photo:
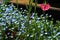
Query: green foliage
[
  {"x": 23, "y": 25},
  {"x": 6, "y": 1}
]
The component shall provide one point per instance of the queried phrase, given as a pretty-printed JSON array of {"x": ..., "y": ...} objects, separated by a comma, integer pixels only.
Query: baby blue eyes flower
[
  {"x": 13, "y": 20},
  {"x": 2, "y": 23},
  {"x": 8, "y": 9},
  {"x": 22, "y": 31}
]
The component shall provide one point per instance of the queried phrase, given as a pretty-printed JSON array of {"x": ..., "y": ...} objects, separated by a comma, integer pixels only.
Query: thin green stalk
[
  {"x": 30, "y": 5},
  {"x": 29, "y": 9},
  {"x": 35, "y": 6},
  {"x": 45, "y": 21},
  {"x": 45, "y": 2},
  {"x": 17, "y": 3}
]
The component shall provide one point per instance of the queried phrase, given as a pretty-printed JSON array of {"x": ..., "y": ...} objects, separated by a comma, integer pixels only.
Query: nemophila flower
[
  {"x": 44, "y": 7},
  {"x": 8, "y": 9}
]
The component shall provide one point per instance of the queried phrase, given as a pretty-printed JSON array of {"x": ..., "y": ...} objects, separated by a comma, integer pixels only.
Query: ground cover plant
[{"x": 23, "y": 25}]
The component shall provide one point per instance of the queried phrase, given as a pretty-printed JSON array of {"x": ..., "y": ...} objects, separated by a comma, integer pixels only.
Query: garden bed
[{"x": 21, "y": 23}]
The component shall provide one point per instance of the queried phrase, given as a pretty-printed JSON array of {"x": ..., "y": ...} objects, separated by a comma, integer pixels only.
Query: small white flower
[
  {"x": 31, "y": 35},
  {"x": 46, "y": 14},
  {"x": 21, "y": 8},
  {"x": 5, "y": 5},
  {"x": 33, "y": 29},
  {"x": 12, "y": 28},
  {"x": 25, "y": 16},
  {"x": 16, "y": 14},
  {"x": 3, "y": 9},
  {"x": 50, "y": 15},
  {"x": 2, "y": 4},
  {"x": 11, "y": 36},
  {"x": 59, "y": 26},
  {"x": 30, "y": 22},
  {"x": 38, "y": 18},
  {"x": 49, "y": 37},
  {"x": 54, "y": 31},
  {"x": 37, "y": 21},
  {"x": 43, "y": 20},
  {"x": 20, "y": 29},
  {"x": 46, "y": 33},
  {"x": 25, "y": 10},
  {"x": 4, "y": 29},
  {"x": 13, "y": 20},
  {"x": 33, "y": 13},
  {"x": 43, "y": 17},
  {"x": 41, "y": 34},
  {"x": 47, "y": 23},
  {"x": 38, "y": 26},
  {"x": 42, "y": 28},
  {"x": 27, "y": 35}
]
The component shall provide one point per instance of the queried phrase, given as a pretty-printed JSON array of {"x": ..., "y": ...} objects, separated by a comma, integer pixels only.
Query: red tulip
[{"x": 44, "y": 7}]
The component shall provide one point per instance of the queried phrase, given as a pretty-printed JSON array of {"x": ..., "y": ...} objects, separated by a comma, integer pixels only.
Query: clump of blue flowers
[{"x": 18, "y": 25}]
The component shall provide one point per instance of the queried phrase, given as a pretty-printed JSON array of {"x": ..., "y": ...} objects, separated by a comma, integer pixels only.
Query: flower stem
[
  {"x": 35, "y": 6},
  {"x": 17, "y": 3},
  {"x": 45, "y": 2}
]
